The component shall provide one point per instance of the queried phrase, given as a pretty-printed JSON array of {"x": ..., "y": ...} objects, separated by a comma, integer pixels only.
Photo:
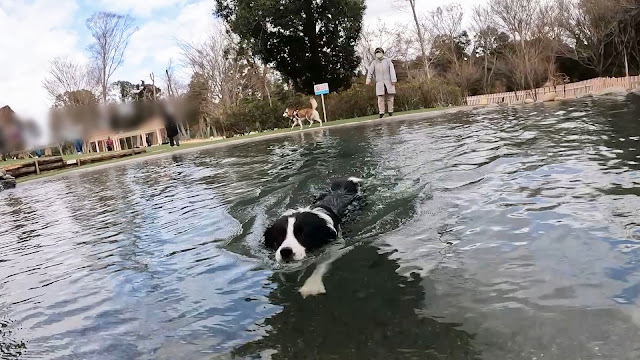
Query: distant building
[{"x": 150, "y": 132}]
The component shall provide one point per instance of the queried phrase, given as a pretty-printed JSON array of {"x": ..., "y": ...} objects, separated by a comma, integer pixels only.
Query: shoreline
[{"x": 205, "y": 145}]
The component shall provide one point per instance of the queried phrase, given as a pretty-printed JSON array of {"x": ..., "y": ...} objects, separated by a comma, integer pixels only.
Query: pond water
[{"x": 511, "y": 233}]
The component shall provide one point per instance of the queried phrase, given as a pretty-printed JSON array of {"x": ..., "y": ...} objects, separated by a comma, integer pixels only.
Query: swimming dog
[
  {"x": 298, "y": 115},
  {"x": 303, "y": 230}
]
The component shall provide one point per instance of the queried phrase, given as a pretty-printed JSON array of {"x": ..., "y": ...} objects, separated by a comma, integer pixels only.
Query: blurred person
[
  {"x": 171, "y": 126},
  {"x": 4, "y": 151},
  {"x": 385, "y": 74},
  {"x": 78, "y": 145}
]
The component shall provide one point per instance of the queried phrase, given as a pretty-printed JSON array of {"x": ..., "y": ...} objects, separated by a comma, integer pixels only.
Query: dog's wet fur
[{"x": 298, "y": 232}]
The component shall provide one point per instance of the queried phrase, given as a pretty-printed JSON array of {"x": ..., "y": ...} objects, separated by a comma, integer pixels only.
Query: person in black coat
[{"x": 171, "y": 126}]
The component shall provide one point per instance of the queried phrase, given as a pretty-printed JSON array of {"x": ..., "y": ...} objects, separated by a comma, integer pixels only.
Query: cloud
[
  {"x": 156, "y": 42},
  {"x": 398, "y": 11},
  {"x": 32, "y": 34},
  {"x": 143, "y": 8}
]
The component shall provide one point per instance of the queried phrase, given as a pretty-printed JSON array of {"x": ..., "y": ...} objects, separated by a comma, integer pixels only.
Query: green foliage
[
  {"x": 125, "y": 89},
  {"x": 256, "y": 114},
  {"x": 197, "y": 104},
  {"x": 77, "y": 98},
  {"x": 360, "y": 99},
  {"x": 307, "y": 41}
]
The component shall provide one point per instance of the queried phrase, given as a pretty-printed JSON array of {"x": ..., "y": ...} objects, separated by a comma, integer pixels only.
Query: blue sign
[{"x": 321, "y": 89}]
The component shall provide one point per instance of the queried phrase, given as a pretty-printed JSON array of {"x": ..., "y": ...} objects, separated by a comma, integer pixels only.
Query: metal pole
[{"x": 324, "y": 110}]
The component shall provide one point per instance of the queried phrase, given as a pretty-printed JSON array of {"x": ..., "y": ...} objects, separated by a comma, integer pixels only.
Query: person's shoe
[
  {"x": 381, "y": 116},
  {"x": 391, "y": 114}
]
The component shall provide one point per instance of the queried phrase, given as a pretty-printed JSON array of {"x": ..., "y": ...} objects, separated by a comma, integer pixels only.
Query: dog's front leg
[{"x": 314, "y": 285}]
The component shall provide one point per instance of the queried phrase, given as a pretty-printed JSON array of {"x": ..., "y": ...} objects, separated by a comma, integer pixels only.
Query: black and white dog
[{"x": 304, "y": 230}]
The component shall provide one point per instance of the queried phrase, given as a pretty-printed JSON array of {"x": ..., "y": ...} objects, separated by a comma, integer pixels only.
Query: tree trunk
[
  {"x": 104, "y": 82},
  {"x": 493, "y": 67},
  {"x": 153, "y": 84},
  {"x": 266, "y": 88},
  {"x": 420, "y": 38},
  {"x": 183, "y": 133},
  {"x": 265, "y": 72},
  {"x": 626, "y": 69}
]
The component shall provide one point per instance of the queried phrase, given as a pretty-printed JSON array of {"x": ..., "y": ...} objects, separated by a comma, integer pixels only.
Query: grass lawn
[{"x": 161, "y": 149}]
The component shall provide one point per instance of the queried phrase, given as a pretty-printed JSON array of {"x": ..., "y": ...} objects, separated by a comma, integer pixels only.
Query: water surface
[{"x": 511, "y": 233}]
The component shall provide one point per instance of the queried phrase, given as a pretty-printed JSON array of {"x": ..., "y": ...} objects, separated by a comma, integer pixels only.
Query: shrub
[
  {"x": 253, "y": 115},
  {"x": 360, "y": 99},
  {"x": 257, "y": 114}
]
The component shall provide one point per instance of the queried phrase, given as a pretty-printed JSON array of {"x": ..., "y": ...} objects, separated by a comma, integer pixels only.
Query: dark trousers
[
  {"x": 174, "y": 140},
  {"x": 78, "y": 144}
]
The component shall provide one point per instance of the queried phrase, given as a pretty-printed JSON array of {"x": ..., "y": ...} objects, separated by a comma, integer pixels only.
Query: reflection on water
[
  {"x": 510, "y": 233},
  {"x": 372, "y": 313}
]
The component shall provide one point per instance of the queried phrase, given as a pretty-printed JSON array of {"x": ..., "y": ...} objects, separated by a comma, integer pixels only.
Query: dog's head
[
  {"x": 298, "y": 232},
  {"x": 288, "y": 113}
]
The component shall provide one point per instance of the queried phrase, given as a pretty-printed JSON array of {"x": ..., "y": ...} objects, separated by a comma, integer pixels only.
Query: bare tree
[
  {"x": 174, "y": 90},
  {"x": 111, "y": 34},
  {"x": 451, "y": 43},
  {"x": 153, "y": 84},
  {"x": 66, "y": 75},
  {"x": 626, "y": 38},
  {"x": 589, "y": 27},
  {"x": 550, "y": 34},
  {"x": 224, "y": 71},
  {"x": 170, "y": 79},
  {"x": 393, "y": 40},
  {"x": 422, "y": 40},
  {"x": 446, "y": 24},
  {"x": 526, "y": 23},
  {"x": 487, "y": 40}
]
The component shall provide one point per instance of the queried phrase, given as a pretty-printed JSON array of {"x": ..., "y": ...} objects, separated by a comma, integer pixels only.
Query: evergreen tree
[{"x": 307, "y": 41}]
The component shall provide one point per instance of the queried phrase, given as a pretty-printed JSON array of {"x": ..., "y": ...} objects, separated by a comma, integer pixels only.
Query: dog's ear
[
  {"x": 270, "y": 238},
  {"x": 274, "y": 235}
]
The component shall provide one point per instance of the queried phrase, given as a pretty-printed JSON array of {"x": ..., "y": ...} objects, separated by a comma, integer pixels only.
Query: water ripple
[{"x": 504, "y": 233}]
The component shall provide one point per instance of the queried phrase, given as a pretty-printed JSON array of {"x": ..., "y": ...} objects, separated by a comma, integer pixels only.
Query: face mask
[{"x": 379, "y": 55}]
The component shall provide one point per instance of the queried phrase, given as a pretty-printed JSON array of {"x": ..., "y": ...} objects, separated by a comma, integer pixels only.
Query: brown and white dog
[{"x": 298, "y": 115}]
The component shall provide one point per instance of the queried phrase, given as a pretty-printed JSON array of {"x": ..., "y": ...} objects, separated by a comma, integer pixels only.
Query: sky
[{"x": 32, "y": 32}]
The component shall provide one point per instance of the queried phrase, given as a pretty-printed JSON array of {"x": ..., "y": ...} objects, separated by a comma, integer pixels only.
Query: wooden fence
[
  {"x": 568, "y": 91},
  {"x": 36, "y": 166}
]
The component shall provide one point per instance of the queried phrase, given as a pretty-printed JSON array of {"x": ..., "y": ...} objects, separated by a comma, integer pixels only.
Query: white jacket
[{"x": 385, "y": 75}]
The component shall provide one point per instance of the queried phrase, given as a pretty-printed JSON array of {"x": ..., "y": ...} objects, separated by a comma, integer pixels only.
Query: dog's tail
[
  {"x": 314, "y": 103},
  {"x": 349, "y": 185}
]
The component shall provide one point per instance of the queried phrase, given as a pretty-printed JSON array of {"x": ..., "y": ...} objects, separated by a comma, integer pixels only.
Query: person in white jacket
[{"x": 382, "y": 69}]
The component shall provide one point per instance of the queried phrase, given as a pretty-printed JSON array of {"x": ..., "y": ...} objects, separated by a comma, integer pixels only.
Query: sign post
[{"x": 321, "y": 89}]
